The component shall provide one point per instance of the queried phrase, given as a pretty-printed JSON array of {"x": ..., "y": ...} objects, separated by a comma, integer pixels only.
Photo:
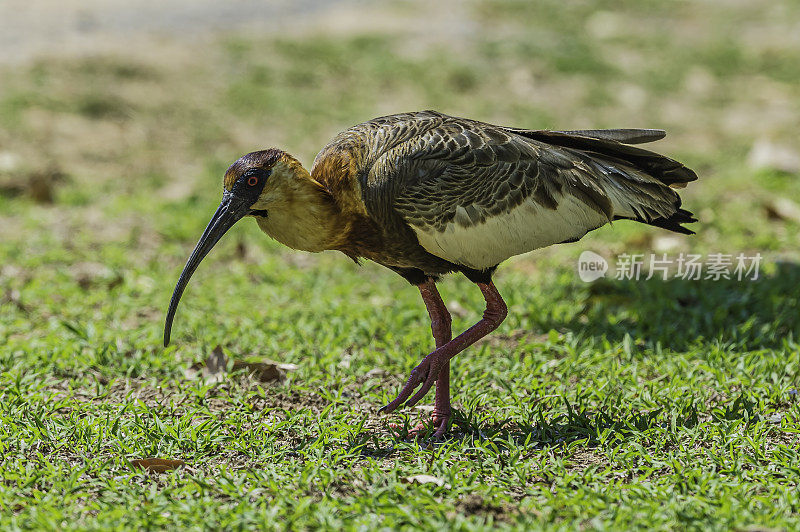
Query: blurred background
[{"x": 118, "y": 118}]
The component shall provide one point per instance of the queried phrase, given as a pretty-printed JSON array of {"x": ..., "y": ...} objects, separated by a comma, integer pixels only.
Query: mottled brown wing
[{"x": 476, "y": 194}]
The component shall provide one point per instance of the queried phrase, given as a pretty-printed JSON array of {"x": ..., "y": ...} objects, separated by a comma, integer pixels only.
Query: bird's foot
[
  {"x": 426, "y": 374},
  {"x": 435, "y": 428}
]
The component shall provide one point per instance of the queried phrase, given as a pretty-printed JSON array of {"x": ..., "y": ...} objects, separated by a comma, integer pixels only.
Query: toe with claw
[
  {"x": 435, "y": 368},
  {"x": 426, "y": 374}
]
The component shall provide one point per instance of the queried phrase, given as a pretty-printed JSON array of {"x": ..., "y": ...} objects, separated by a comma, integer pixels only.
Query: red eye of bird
[{"x": 252, "y": 180}]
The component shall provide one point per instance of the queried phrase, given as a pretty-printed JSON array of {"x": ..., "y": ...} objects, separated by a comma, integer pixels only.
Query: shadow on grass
[
  {"x": 595, "y": 427},
  {"x": 679, "y": 314}
]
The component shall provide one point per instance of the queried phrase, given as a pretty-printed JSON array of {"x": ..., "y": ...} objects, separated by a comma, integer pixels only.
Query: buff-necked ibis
[{"x": 426, "y": 194}]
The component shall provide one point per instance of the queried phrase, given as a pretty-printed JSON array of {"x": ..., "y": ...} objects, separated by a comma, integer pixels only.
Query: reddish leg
[
  {"x": 442, "y": 333},
  {"x": 436, "y": 366}
]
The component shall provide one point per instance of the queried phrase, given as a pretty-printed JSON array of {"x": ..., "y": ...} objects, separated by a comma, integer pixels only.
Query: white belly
[{"x": 525, "y": 228}]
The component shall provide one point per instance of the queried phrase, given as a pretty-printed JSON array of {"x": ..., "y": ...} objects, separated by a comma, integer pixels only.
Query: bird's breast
[{"x": 524, "y": 228}]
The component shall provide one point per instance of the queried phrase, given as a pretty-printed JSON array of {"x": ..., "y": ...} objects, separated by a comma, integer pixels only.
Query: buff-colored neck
[{"x": 301, "y": 214}]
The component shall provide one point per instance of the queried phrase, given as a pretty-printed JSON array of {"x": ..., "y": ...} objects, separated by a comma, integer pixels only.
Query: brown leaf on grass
[
  {"x": 212, "y": 370},
  {"x": 216, "y": 366},
  {"x": 266, "y": 371},
  {"x": 262, "y": 371},
  {"x": 157, "y": 465},
  {"x": 783, "y": 209},
  {"x": 217, "y": 361}
]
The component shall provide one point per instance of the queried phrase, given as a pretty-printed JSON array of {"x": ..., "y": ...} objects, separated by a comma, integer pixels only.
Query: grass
[{"x": 612, "y": 405}]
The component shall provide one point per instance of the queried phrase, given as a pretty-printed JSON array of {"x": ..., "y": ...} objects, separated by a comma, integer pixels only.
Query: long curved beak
[{"x": 230, "y": 211}]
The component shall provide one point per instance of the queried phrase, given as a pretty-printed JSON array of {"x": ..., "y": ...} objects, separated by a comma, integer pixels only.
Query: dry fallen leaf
[
  {"x": 157, "y": 465},
  {"x": 216, "y": 366},
  {"x": 216, "y": 362},
  {"x": 265, "y": 371},
  {"x": 426, "y": 479},
  {"x": 262, "y": 371},
  {"x": 212, "y": 370}
]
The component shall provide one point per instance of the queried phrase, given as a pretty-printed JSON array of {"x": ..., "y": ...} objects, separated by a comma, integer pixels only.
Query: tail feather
[
  {"x": 625, "y": 136},
  {"x": 668, "y": 171},
  {"x": 637, "y": 182},
  {"x": 672, "y": 222}
]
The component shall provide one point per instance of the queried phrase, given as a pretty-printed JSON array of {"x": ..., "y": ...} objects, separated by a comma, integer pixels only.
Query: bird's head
[{"x": 252, "y": 186}]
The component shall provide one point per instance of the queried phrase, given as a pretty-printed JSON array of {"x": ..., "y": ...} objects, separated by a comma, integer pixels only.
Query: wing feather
[
  {"x": 476, "y": 194},
  {"x": 625, "y": 136}
]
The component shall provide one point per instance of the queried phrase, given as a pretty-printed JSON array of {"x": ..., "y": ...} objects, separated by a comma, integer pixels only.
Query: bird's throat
[{"x": 300, "y": 213}]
